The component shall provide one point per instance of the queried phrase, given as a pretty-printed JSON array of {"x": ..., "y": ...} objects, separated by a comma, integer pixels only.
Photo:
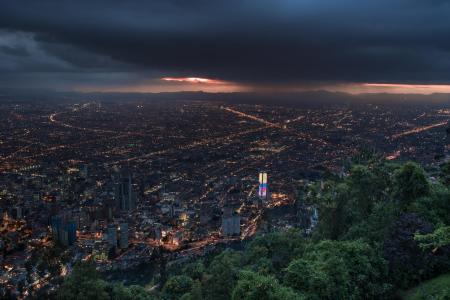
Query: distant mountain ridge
[{"x": 319, "y": 97}]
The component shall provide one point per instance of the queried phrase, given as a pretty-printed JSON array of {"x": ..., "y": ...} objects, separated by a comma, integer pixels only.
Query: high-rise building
[
  {"x": 231, "y": 222},
  {"x": 69, "y": 230},
  {"x": 109, "y": 209},
  {"x": 112, "y": 235},
  {"x": 125, "y": 195},
  {"x": 262, "y": 191},
  {"x": 123, "y": 235},
  {"x": 64, "y": 230},
  {"x": 56, "y": 225}
]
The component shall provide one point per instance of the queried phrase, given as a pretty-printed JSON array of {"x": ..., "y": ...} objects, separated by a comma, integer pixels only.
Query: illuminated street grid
[{"x": 188, "y": 161}]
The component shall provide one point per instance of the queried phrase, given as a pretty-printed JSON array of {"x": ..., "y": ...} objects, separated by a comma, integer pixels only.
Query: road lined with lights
[
  {"x": 419, "y": 129},
  {"x": 284, "y": 127}
]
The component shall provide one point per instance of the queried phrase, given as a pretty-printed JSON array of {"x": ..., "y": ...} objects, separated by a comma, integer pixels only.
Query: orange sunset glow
[
  {"x": 194, "y": 80},
  {"x": 408, "y": 88}
]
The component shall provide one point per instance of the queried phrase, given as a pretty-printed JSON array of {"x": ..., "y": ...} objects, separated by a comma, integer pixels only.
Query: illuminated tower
[{"x": 262, "y": 191}]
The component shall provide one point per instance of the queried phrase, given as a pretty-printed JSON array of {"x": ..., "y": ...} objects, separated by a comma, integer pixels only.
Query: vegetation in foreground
[
  {"x": 383, "y": 228},
  {"x": 437, "y": 288}
]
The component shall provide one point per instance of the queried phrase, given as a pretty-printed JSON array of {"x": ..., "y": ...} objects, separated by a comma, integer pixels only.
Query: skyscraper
[
  {"x": 125, "y": 195},
  {"x": 123, "y": 238},
  {"x": 64, "y": 230},
  {"x": 56, "y": 224},
  {"x": 70, "y": 227},
  {"x": 231, "y": 222},
  {"x": 112, "y": 236},
  {"x": 262, "y": 191}
]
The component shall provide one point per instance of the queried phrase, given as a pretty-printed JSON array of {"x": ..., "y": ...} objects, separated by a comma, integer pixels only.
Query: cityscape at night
[{"x": 171, "y": 151}]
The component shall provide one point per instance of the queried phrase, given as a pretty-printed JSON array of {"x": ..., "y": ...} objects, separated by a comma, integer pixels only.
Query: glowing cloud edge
[{"x": 194, "y": 80}]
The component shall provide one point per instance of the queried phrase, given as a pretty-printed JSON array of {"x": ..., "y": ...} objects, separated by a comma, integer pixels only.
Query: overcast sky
[{"x": 240, "y": 44}]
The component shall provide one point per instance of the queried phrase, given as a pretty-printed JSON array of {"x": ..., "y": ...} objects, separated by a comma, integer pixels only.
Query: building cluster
[
  {"x": 64, "y": 229},
  {"x": 114, "y": 181},
  {"x": 118, "y": 235}
]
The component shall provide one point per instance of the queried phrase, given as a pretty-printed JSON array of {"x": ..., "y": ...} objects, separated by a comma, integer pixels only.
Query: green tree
[
  {"x": 364, "y": 189},
  {"x": 194, "y": 270},
  {"x": 437, "y": 239},
  {"x": 275, "y": 250},
  {"x": 375, "y": 227},
  {"x": 83, "y": 283},
  {"x": 120, "y": 292},
  {"x": 435, "y": 207},
  {"x": 254, "y": 286},
  {"x": 264, "y": 266},
  {"x": 339, "y": 270},
  {"x": 410, "y": 183},
  {"x": 334, "y": 213},
  {"x": 176, "y": 286},
  {"x": 437, "y": 288},
  {"x": 139, "y": 293},
  {"x": 445, "y": 173},
  {"x": 133, "y": 292},
  {"x": 195, "y": 293},
  {"x": 222, "y": 275},
  {"x": 408, "y": 263}
]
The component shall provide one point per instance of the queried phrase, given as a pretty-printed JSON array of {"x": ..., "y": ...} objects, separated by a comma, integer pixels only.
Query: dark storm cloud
[
  {"x": 11, "y": 50},
  {"x": 250, "y": 41}
]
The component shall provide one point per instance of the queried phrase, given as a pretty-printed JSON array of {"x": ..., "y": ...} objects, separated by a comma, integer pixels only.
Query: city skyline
[{"x": 224, "y": 150}]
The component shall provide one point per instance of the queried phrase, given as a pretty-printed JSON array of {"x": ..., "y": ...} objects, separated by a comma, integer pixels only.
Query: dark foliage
[{"x": 409, "y": 264}]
